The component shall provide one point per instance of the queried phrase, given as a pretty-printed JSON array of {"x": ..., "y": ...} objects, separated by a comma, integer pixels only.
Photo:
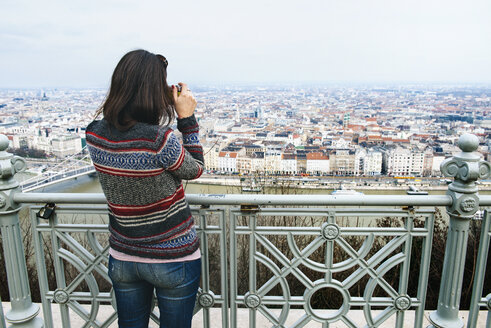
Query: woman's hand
[{"x": 185, "y": 102}]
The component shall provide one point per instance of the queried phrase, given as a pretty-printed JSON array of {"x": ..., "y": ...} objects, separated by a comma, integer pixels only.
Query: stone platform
[{"x": 261, "y": 322}]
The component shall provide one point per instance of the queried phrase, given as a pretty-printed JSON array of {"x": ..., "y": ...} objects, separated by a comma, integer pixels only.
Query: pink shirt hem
[{"x": 130, "y": 258}]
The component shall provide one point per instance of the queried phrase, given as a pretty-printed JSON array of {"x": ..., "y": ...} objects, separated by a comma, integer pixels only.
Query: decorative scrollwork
[
  {"x": 464, "y": 172},
  {"x": 19, "y": 164},
  {"x": 5, "y": 170},
  {"x": 466, "y": 167},
  {"x": 3, "y": 201},
  {"x": 449, "y": 168},
  {"x": 459, "y": 169},
  {"x": 484, "y": 170}
]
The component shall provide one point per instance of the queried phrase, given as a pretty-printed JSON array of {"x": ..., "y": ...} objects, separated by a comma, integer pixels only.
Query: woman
[{"x": 140, "y": 163}]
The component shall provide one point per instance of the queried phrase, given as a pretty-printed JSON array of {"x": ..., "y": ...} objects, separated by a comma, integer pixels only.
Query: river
[{"x": 87, "y": 184}]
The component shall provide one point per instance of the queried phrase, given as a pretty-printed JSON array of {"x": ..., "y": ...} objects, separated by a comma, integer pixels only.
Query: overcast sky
[{"x": 72, "y": 43}]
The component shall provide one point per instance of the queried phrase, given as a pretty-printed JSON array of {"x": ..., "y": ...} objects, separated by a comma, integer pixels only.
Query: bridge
[
  {"x": 71, "y": 167},
  {"x": 278, "y": 259}
]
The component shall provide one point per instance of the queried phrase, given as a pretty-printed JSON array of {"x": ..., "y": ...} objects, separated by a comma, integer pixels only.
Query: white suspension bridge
[{"x": 71, "y": 167}]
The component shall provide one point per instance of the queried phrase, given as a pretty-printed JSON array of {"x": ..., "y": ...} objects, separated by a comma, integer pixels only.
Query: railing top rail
[{"x": 260, "y": 199}]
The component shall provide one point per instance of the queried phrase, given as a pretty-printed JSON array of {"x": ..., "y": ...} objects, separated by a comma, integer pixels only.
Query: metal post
[
  {"x": 465, "y": 168},
  {"x": 2, "y": 317},
  {"x": 23, "y": 312}
]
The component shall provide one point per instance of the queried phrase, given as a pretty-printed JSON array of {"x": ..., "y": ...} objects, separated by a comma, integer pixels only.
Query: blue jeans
[{"x": 176, "y": 285}]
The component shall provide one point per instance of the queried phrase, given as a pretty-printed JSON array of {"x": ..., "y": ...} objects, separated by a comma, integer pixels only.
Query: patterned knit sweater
[{"x": 140, "y": 171}]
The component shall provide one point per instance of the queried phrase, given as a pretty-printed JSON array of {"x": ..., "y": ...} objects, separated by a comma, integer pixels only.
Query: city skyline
[
  {"x": 77, "y": 44},
  {"x": 282, "y": 125}
]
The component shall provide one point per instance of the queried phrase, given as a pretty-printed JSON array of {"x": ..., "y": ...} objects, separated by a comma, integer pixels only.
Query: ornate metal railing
[
  {"x": 274, "y": 256},
  {"x": 480, "y": 300}
]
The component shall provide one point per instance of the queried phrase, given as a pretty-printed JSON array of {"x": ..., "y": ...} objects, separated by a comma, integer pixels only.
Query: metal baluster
[
  {"x": 23, "y": 312},
  {"x": 2, "y": 317},
  {"x": 477, "y": 289},
  {"x": 465, "y": 168}
]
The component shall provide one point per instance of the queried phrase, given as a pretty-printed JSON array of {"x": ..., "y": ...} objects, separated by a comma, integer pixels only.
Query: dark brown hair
[{"x": 139, "y": 92}]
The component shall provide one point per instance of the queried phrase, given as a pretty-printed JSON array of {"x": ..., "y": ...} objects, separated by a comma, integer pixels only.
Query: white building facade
[
  {"x": 227, "y": 161},
  {"x": 405, "y": 162}
]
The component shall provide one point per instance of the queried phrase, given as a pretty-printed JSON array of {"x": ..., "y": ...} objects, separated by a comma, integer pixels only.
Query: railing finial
[
  {"x": 468, "y": 143},
  {"x": 9, "y": 165},
  {"x": 23, "y": 312},
  {"x": 4, "y": 142},
  {"x": 466, "y": 168}
]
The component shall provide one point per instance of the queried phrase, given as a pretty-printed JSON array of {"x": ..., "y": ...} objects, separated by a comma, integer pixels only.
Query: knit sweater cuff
[{"x": 187, "y": 124}]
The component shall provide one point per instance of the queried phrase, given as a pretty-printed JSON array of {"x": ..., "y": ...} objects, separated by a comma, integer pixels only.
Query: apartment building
[
  {"x": 272, "y": 160},
  {"x": 227, "y": 161},
  {"x": 211, "y": 153},
  {"x": 342, "y": 161},
  {"x": 288, "y": 164},
  {"x": 317, "y": 163},
  {"x": 65, "y": 145},
  {"x": 368, "y": 162},
  {"x": 402, "y": 161}
]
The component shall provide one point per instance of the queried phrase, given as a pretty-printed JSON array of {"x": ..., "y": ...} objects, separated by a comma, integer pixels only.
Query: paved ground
[{"x": 243, "y": 319}]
